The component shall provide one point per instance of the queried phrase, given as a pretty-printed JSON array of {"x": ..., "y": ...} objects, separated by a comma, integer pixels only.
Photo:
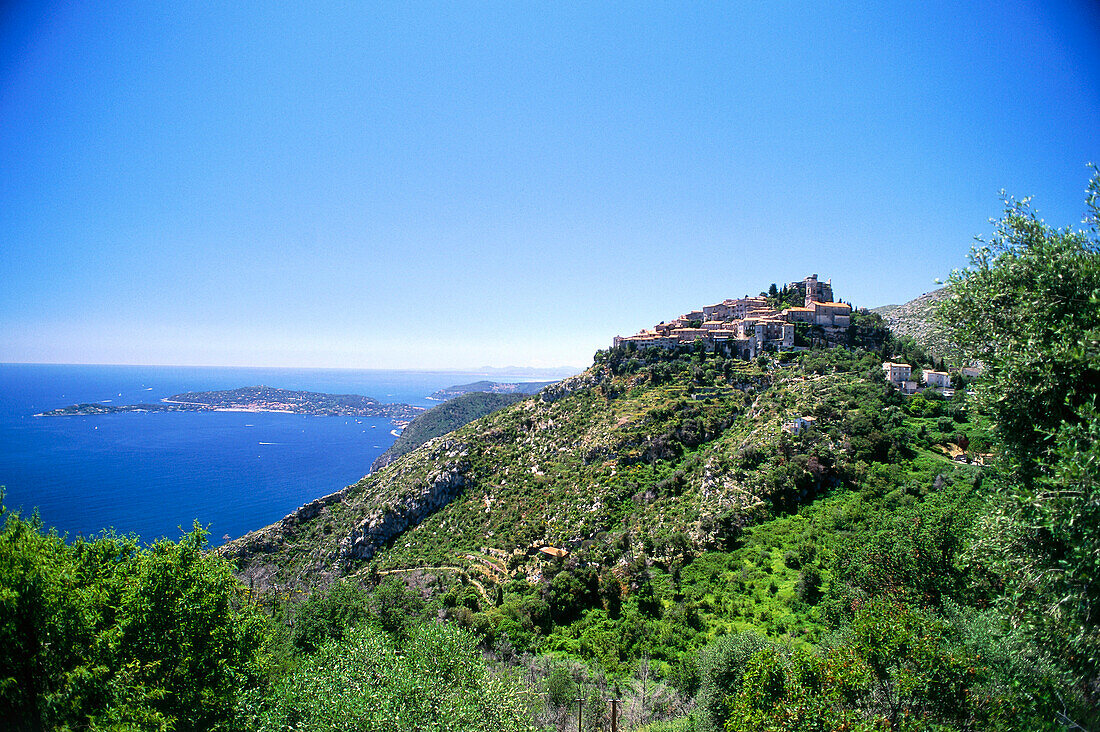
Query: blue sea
[{"x": 154, "y": 474}]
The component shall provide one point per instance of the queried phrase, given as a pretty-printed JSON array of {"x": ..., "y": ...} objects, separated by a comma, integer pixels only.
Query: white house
[{"x": 798, "y": 424}]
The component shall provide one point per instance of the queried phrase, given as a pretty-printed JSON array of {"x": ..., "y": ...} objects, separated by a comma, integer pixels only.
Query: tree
[
  {"x": 328, "y": 614},
  {"x": 103, "y": 633},
  {"x": 721, "y": 665},
  {"x": 1028, "y": 308}
]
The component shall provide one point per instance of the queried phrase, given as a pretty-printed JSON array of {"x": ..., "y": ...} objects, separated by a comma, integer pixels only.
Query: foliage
[
  {"x": 444, "y": 418},
  {"x": 1028, "y": 308},
  {"x": 893, "y": 667},
  {"x": 434, "y": 680},
  {"x": 103, "y": 633},
  {"x": 721, "y": 666},
  {"x": 913, "y": 553},
  {"x": 327, "y": 614}
]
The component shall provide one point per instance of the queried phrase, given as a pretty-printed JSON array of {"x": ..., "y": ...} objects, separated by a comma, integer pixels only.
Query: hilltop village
[{"x": 748, "y": 326}]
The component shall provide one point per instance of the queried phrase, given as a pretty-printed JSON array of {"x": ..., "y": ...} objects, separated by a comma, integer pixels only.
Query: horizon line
[{"x": 454, "y": 369}]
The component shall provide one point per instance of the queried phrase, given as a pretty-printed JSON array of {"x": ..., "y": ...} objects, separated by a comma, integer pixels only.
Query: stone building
[
  {"x": 813, "y": 290},
  {"x": 897, "y": 373}
]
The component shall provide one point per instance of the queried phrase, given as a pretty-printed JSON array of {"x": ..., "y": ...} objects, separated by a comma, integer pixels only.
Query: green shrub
[
  {"x": 103, "y": 633},
  {"x": 434, "y": 681}
]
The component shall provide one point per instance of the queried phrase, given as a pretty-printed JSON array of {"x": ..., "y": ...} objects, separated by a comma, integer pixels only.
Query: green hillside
[
  {"x": 647, "y": 466},
  {"x": 442, "y": 419}
]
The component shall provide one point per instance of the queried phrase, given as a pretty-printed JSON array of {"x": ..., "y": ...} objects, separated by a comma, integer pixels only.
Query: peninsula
[
  {"x": 489, "y": 387},
  {"x": 257, "y": 399}
]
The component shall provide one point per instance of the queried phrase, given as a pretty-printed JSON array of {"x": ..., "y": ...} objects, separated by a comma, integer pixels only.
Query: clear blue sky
[{"x": 393, "y": 184}]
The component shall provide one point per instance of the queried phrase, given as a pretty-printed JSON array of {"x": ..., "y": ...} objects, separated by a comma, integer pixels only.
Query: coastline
[{"x": 255, "y": 400}]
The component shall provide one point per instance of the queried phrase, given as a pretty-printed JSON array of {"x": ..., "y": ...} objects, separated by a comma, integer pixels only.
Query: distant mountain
[
  {"x": 916, "y": 319},
  {"x": 492, "y": 387},
  {"x": 529, "y": 372},
  {"x": 885, "y": 310},
  {"x": 447, "y": 417}
]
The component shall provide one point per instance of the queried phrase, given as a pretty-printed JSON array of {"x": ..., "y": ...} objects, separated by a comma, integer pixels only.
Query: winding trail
[{"x": 480, "y": 587}]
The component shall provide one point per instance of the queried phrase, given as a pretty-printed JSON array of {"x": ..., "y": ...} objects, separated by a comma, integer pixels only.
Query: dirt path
[{"x": 480, "y": 587}]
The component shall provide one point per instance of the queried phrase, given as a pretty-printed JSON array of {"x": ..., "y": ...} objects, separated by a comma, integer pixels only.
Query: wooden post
[
  {"x": 580, "y": 706},
  {"x": 614, "y": 715}
]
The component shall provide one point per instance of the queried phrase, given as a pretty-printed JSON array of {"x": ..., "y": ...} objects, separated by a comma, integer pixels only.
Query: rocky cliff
[{"x": 916, "y": 319}]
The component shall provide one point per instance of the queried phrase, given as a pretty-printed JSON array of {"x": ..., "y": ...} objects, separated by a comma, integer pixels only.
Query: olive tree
[{"x": 1028, "y": 308}]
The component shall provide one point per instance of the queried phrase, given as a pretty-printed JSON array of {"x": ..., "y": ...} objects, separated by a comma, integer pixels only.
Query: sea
[{"x": 155, "y": 474}]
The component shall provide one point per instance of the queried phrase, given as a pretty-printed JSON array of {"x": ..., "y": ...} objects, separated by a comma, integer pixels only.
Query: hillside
[
  {"x": 442, "y": 419},
  {"x": 884, "y": 310},
  {"x": 663, "y": 460},
  {"x": 915, "y": 319}
]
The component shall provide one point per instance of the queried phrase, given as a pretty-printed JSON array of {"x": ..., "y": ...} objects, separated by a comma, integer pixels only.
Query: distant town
[
  {"x": 748, "y": 326},
  {"x": 751, "y": 325},
  {"x": 257, "y": 399}
]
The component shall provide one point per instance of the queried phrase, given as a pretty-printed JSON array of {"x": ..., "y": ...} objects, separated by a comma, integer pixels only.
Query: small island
[{"x": 256, "y": 399}]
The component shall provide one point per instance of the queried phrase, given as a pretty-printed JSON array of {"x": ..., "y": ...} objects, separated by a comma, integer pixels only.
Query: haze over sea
[{"x": 152, "y": 473}]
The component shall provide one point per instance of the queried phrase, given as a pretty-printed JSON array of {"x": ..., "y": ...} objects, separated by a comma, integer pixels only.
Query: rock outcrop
[
  {"x": 916, "y": 319},
  {"x": 592, "y": 377},
  {"x": 386, "y": 523},
  {"x": 353, "y": 523}
]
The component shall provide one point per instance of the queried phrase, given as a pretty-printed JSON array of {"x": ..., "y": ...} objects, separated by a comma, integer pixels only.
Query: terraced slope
[{"x": 626, "y": 458}]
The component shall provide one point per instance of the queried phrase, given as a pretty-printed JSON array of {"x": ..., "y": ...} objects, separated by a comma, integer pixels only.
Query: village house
[
  {"x": 897, "y": 373},
  {"x": 831, "y": 314},
  {"x": 798, "y": 424},
  {"x": 936, "y": 379},
  {"x": 799, "y": 315},
  {"x": 748, "y": 326},
  {"x": 827, "y": 314}
]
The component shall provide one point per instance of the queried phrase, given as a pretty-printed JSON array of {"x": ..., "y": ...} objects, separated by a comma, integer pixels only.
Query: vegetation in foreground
[{"x": 867, "y": 582}]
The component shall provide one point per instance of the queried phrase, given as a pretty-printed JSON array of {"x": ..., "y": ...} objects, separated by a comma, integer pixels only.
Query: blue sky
[{"x": 436, "y": 185}]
